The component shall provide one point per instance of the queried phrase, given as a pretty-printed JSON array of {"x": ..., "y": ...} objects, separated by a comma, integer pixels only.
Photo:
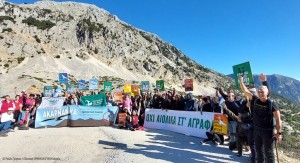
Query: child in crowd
[
  {"x": 127, "y": 104},
  {"x": 135, "y": 120}
]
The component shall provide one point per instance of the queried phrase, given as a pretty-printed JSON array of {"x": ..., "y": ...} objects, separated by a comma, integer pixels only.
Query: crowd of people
[
  {"x": 250, "y": 119},
  {"x": 18, "y": 112}
]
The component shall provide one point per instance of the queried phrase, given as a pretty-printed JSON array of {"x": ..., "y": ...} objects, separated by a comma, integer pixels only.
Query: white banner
[
  {"x": 188, "y": 123},
  {"x": 52, "y": 102}
]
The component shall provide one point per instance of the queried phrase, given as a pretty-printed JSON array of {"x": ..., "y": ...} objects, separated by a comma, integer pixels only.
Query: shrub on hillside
[
  {"x": 44, "y": 24},
  {"x": 2, "y": 18}
]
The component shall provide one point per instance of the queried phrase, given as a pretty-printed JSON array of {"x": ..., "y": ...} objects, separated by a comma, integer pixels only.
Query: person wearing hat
[{"x": 6, "y": 121}]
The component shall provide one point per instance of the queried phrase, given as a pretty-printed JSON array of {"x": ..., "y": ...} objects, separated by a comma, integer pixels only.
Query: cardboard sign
[
  {"x": 70, "y": 88},
  {"x": 145, "y": 85},
  {"x": 107, "y": 86},
  {"x": 220, "y": 124},
  {"x": 118, "y": 97},
  {"x": 48, "y": 91},
  {"x": 127, "y": 88},
  {"x": 244, "y": 70},
  {"x": 160, "y": 85},
  {"x": 63, "y": 77},
  {"x": 81, "y": 85},
  {"x": 93, "y": 84},
  {"x": 122, "y": 119},
  {"x": 135, "y": 89},
  {"x": 188, "y": 85}
]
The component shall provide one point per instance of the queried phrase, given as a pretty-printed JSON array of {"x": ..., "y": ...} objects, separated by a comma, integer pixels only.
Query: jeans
[
  {"x": 4, "y": 126},
  {"x": 232, "y": 131},
  {"x": 250, "y": 138},
  {"x": 264, "y": 145}
]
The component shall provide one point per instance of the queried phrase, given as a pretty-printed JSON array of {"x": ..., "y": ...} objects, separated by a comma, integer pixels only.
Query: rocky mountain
[
  {"x": 37, "y": 41},
  {"x": 282, "y": 85}
]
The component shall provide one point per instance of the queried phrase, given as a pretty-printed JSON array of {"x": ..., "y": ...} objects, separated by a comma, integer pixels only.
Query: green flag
[
  {"x": 107, "y": 86},
  {"x": 244, "y": 70},
  {"x": 94, "y": 100},
  {"x": 160, "y": 85}
]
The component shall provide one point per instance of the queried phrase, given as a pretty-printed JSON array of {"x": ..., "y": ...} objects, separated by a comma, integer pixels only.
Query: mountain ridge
[
  {"x": 49, "y": 37},
  {"x": 283, "y": 85}
]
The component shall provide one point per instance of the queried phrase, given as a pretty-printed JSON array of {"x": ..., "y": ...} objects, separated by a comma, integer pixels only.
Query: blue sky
[{"x": 220, "y": 33}]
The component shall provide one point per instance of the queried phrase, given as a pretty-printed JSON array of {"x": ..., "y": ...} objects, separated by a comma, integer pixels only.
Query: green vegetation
[
  {"x": 20, "y": 59},
  {"x": 91, "y": 26},
  {"x": 57, "y": 56},
  {"x": 170, "y": 68},
  {"x": 6, "y": 65},
  {"x": 44, "y": 24},
  {"x": 6, "y": 29},
  {"x": 2, "y": 18},
  {"x": 37, "y": 39}
]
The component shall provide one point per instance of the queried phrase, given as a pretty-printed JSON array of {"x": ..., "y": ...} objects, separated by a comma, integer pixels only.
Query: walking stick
[{"x": 276, "y": 151}]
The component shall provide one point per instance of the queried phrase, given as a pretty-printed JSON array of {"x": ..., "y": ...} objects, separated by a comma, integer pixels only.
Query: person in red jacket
[{"x": 6, "y": 103}]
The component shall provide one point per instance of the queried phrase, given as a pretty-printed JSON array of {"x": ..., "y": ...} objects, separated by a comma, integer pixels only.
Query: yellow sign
[
  {"x": 220, "y": 124},
  {"x": 127, "y": 88}
]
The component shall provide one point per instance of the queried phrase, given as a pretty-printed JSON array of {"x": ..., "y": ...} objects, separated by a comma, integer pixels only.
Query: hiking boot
[{"x": 10, "y": 130}]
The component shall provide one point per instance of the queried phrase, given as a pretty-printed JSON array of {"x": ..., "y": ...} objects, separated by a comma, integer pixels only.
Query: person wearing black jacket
[
  {"x": 264, "y": 110},
  {"x": 233, "y": 106}
]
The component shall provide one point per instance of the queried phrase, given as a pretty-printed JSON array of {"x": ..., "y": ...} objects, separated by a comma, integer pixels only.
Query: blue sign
[
  {"x": 93, "y": 84},
  {"x": 57, "y": 91},
  {"x": 63, "y": 77},
  {"x": 73, "y": 115},
  {"x": 81, "y": 85}
]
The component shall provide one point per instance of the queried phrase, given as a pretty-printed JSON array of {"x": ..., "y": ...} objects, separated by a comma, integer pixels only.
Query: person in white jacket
[{"x": 6, "y": 120}]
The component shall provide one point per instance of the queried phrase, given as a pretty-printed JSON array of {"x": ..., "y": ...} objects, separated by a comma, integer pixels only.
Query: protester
[
  {"x": 213, "y": 137},
  {"x": 74, "y": 100},
  {"x": 177, "y": 103},
  {"x": 189, "y": 102},
  {"x": 30, "y": 102},
  {"x": 7, "y": 119},
  {"x": 6, "y": 104},
  {"x": 198, "y": 103},
  {"x": 127, "y": 104},
  {"x": 24, "y": 120},
  {"x": 207, "y": 106},
  {"x": 135, "y": 120},
  {"x": 264, "y": 113},
  {"x": 164, "y": 102},
  {"x": 233, "y": 106},
  {"x": 156, "y": 102},
  {"x": 18, "y": 107}
]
